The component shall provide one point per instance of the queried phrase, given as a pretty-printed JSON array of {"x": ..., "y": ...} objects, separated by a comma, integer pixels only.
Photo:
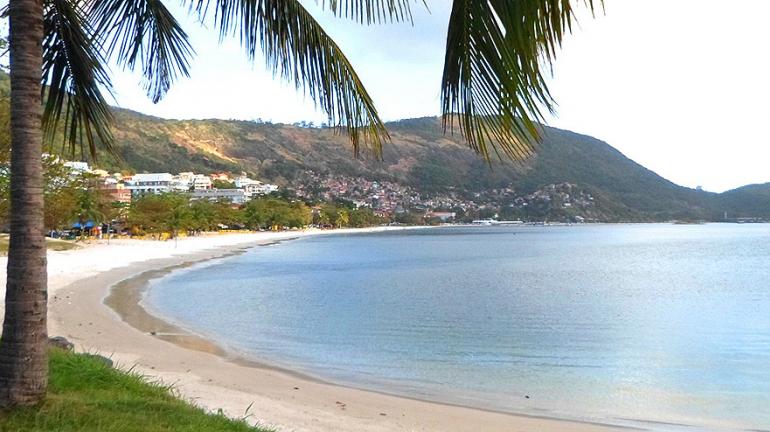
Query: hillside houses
[
  {"x": 386, "y": 199},
  {"x": 254, "y": 187}
]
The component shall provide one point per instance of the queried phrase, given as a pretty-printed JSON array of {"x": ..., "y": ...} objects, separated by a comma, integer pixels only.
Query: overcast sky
[{"x": 679, "y": 86}]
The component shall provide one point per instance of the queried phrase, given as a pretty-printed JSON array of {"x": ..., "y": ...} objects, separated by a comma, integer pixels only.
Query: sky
[{"x": 680, "y": 87}]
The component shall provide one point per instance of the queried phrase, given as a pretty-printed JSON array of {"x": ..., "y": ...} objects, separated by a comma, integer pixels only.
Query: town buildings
[
  {"x": 200, "y": 186},
  {"x": 141, "y": 184},
  {"x": 387, "y": 199}
]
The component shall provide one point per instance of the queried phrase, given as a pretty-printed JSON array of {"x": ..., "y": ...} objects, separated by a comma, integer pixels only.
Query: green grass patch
[
  {"x": 87, "y": 395},
  {"x": 53, "y": 244}
]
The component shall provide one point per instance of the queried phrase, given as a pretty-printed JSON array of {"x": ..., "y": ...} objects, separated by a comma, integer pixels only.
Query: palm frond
[
  {"x": 74, "y": 73},
  {"x": 297, "y": 48},
  {"x": 370, "y": 11},
  {"x": 493, "y": 85},
  {"x": 145, "y": 33}
]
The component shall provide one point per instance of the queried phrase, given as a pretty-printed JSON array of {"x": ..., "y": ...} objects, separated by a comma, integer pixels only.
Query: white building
[
  {"x": 235, "y": 196},
  {"x": 186, "y": 181},
  {"x": 77, "y": 166},
  {"x": 266, "y": 188},
  {"x": 142, "y": 184},
  {"x": 201, "y": 182},
  {"x": 254, "y": 187},
  {"x": 183, "y": 181},
  {"x": 243, "y": 182},
  {"x": 180, "y": 184}
]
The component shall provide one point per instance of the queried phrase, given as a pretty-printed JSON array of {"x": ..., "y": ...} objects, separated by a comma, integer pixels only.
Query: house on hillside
[
  {"x": 186, "y": 181},
  {"x": 201, "y": 182},
  {"x": 142, "y": 184},
  {"x": 254, "y": 187},
  {"x": 221, "y": 176}
]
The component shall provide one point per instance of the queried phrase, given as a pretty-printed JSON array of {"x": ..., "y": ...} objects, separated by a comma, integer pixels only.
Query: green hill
[
  {"x": 746, "y": 201},
  {"x": 423, "y": 157}
]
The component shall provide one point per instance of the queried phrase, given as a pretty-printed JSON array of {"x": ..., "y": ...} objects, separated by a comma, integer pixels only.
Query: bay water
[{"x": 661, "y": 326}]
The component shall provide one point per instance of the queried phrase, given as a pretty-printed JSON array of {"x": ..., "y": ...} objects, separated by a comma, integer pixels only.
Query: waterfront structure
[
  {"x": 443, "y": 215},
  {"x": 484, "y": 222}
]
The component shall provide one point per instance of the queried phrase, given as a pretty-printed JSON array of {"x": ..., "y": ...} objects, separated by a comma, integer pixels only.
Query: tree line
[
  {"x": 75, "y": 200},
  {"x": 176, "y": 212}
]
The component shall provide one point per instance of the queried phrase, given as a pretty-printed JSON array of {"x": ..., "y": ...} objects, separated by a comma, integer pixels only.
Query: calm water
[{"x": 618, "y": 323}]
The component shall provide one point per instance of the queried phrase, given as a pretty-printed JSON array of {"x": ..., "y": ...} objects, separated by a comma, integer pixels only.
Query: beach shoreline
[{"x": 209, "y": 376}]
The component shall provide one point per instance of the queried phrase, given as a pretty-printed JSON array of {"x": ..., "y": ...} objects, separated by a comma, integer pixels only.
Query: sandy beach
[{"x": 80, "y": 281}]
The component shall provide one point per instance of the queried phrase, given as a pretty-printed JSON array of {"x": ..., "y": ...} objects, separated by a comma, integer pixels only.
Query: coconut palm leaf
[
  {"x": 297, "y": 48},
  {"x": 370, "y": 11},
  {"x": 144, "y": 33},
  {"x": 75, "y": 76},
  {"x": 493, "y": 87}
]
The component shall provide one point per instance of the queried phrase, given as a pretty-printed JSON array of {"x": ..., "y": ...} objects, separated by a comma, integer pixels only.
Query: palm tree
[
  {"x": 493, "y": 90},
  {"x": 23, "y": 357},
  {"x": 90, "y": 205},
  {"x": 343, "y": 218}
]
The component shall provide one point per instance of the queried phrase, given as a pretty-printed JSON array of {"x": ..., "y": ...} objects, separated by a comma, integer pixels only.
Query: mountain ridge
[{"x": 422, "y": 156}]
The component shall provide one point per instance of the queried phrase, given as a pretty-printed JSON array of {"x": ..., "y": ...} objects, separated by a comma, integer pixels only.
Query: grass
[
  {"x": 86, "y": 395},
  {"x": 53, "y": 244}
]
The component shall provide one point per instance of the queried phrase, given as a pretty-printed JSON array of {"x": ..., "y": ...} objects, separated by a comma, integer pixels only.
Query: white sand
[{"x": 79, "y": 280}]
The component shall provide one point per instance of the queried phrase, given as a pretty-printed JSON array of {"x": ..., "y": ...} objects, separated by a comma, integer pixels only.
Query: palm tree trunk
[{"x": 24, "y": 342}]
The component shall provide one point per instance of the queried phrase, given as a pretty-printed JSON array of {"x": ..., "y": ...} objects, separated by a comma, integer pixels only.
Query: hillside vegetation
[{"x": 424, "y": 157}]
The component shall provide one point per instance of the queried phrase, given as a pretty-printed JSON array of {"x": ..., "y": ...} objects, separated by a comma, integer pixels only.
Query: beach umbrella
[{"x": 88, "y": 225}]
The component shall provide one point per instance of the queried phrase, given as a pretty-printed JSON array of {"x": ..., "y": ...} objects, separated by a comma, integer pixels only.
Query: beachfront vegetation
[
  {"x": 69, "y": 197},
  {"x": 265, "y": 213},
  {"x": 85, "y": 394},
  {"x": 174, "y": 213},
  {"x": 74, "y": 200}
]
